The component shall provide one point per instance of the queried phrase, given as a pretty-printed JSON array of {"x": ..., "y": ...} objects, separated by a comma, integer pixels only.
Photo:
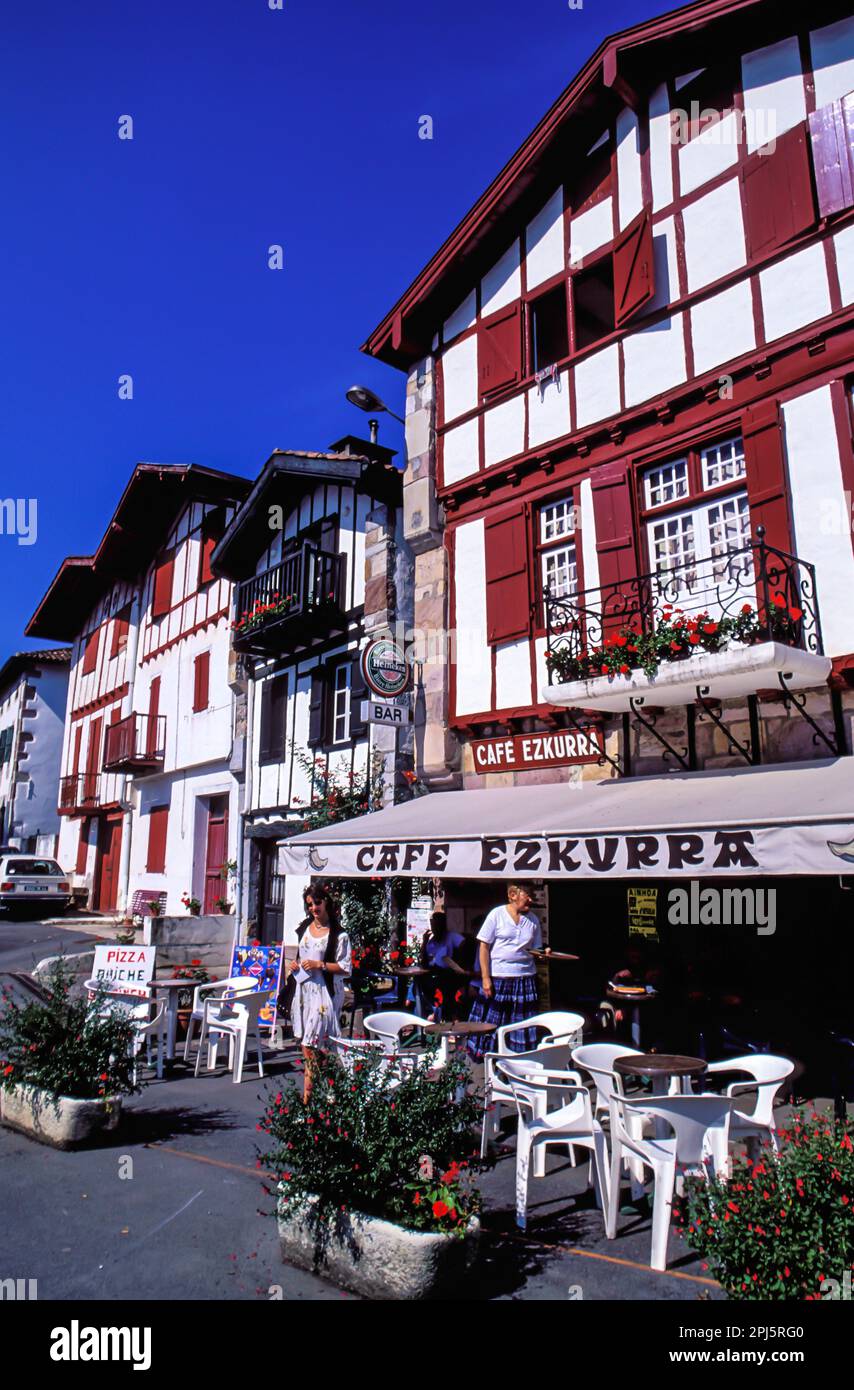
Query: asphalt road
[{"x": 172, "y": 1206}]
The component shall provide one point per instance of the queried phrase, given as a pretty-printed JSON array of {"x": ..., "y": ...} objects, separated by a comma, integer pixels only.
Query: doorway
[
  {"x": 216, "y": 852},
  {"x": 106, "y": 889}
]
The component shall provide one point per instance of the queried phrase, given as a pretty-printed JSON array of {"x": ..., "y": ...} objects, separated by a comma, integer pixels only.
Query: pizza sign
[{"x": 384, "y": 668}]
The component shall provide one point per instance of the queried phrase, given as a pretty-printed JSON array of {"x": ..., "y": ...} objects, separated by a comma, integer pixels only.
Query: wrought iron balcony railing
[
  {"x": 136, "y": 744},
  {"x": 80, "y": 792},
  {"x": 748, "y": 595},
  {"x": 289, "y": 600}
]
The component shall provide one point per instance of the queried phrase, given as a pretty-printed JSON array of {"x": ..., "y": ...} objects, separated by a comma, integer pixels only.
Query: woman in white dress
[{"x": 323, "y": 963}]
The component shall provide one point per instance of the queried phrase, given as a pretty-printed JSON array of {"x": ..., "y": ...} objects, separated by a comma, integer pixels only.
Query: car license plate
[{"x": 33, "y": 888}]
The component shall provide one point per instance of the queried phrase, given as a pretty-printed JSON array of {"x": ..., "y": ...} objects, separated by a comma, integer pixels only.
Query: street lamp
[{"x": 365, "y": 399}]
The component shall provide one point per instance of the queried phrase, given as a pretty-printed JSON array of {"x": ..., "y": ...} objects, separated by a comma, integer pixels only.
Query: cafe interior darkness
[{"x": 722, "y": 990}]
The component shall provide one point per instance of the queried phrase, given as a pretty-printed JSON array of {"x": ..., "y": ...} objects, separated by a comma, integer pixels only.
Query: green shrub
[
  {"x": 363, "y": 1144},
  {"x": 64, "y": 1046},
  {"x": 782, "y": 1225}
]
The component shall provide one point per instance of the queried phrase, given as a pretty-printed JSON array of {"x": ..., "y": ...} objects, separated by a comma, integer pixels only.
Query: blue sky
[{"x": 252, "y": 126}]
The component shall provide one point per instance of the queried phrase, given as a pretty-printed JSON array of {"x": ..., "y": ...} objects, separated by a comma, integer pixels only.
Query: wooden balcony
[
  {"x": 79, "y": 794},
  {"x": 136, "y": 744},
  {"x": 291, "y": 602}
]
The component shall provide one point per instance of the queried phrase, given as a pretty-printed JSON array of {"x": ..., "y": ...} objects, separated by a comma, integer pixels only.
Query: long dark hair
[
  {"x": 438, "y": 927},
  {"x": 321, "y": 892}
]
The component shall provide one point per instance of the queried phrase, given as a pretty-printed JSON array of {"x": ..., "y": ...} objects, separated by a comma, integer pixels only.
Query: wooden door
[
  {"x": 216, "y": 852},
  {"x": 89, "y": 789},
  {"x": 106, "y": 891},
  {"x": 271, "y": 898}
]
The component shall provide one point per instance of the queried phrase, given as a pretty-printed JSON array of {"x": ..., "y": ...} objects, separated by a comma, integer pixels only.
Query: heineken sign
[{"x": 384, "y": 667}]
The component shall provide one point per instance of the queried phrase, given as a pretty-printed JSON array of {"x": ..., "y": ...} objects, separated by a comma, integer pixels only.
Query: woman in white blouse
[
  {"x": 508, "y": 992},
  {"x": 322, "y": 963}
]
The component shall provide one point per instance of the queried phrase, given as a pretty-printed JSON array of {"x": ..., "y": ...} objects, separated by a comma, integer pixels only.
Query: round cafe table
[
  {"x": 416, "y": 974},
  {"x": 632, "y": 1001},
  {"x": 660, "y": 1066},
  {"x": 172, "y": 988}
]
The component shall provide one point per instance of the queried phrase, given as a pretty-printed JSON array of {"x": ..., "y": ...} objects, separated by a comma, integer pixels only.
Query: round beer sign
[{"x": 385, "y": 668}]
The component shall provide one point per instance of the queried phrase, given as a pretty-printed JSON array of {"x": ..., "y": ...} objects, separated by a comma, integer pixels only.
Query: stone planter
[
  {"x": 65, "y": 1123},
  {"x": 377, "y": 1258}
]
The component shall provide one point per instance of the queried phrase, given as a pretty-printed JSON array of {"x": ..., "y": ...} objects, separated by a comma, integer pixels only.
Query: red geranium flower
[{"x": 440, "y": 1209}]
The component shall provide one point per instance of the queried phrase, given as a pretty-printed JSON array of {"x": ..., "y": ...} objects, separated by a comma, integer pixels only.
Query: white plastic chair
[
  {"x": 214, "y": 989},
  {"x": 236, "y": 1019},
  {"x": 769, "y": 1074},
  {"x": 352, "y": 1050},
  {"x": 571, "y": 1123},
  {"x": 698, "y": 1123},
  {"x": 390, "y": 1023},
  {"x": 558, "y": 1026},
  {"x": 146, "y": 1033},
  {"x": 498, "y": 1092}
]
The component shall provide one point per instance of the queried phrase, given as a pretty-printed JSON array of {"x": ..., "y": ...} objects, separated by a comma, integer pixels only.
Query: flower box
[
  {"x": 375, "y": 1258},
  {"x": 730, "y": 674},
  {"x": 64, "y": 1123}
]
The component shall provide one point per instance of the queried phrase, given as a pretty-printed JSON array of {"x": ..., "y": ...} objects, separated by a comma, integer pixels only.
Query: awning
[{"x": 793, "y": 818}]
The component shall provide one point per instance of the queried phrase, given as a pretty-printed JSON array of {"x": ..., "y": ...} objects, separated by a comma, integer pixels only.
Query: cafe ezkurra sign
[{"x": 524, "y": 751}]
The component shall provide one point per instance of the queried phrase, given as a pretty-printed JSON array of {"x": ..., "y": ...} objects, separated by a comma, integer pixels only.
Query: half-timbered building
[
  {"x": 629, "y": 445},
  {"x": 147, "y": 791},
  {"x": 33, "y": 690},
  {"x": 319, "y": 563}
]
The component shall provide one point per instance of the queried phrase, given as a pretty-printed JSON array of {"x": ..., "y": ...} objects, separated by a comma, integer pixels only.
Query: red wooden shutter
[
  {"x": 201, "y": 681},
  {"x": 162, "y": 600},
  {"x": 499, "y": 351},
  {"x": 121, "y": 626},
  {"x": 153, "y": 712},
  {"x": 158, "y": 821},
  {"x": 78, "y": 739},
  {"x": 634, "y": 269},
  {"x": 508, "y": 596},
  {"x": 779, "y": 202},
  {"x": 832, "y": 137},
  {"x": 767, "y": 480},
  {"x": 90, "y": 652},
  {"x": 615, "y": 535},
  {"x": 83, "y": 846}
]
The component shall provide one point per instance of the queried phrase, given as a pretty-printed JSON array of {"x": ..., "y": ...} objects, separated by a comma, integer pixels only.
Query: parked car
[{"x": 29, "y": 881}]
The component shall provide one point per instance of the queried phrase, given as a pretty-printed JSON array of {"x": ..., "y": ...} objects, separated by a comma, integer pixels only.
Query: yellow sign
[{"x": 643, "y": 912}]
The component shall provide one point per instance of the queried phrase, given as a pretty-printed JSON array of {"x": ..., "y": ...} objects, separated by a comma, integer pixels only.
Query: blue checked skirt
[{"x": 515, "y": 997}]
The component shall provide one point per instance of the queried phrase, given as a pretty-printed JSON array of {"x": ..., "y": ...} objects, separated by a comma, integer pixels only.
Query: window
[
  {"x": 274, "y": 715},
  {"x": 158, "y": 822},
  {"x": 700, "y": 544},
  {"x": 201, "y": 681},
  {"x": 335, "y": 705},
  {"x": 90, "y": 652},
  {"x": 558, "y": 566},
  {"x": 499, "y": 351},
  {"x": 339, "y": 713},
  {"x": 593, "y": 303},
  {"x": 121, "y": 627},
  {"x": 6, "y": 739},
  {"x": 549, "y": 328},
  {"x": 161, "y": 600}
]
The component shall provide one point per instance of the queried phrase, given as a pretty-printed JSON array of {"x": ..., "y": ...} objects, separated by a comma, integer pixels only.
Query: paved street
[{"x": 186, "y": 1225}]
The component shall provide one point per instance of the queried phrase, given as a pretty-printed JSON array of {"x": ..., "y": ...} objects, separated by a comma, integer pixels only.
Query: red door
[
  {"x": 106, "y": 891},
  {"x": 89, "y": 788},
  {"x": 216, "y": 852}
]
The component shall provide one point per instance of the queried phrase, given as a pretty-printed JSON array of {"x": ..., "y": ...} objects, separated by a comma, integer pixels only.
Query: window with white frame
[
  {"x": 556, "y": 543},
  {"x": 697, "y": 522},
  {"x": 340, "y": 703}
]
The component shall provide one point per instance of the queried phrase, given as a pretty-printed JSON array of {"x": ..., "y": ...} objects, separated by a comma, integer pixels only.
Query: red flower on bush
[{"x": 440, "y": 1209}]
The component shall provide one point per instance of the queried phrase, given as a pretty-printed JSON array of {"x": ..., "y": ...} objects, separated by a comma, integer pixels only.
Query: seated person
[{"x": 448, "y": 977}]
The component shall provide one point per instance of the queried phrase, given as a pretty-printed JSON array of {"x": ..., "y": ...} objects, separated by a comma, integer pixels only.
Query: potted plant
[
  {"x": 192, "y": 905},
  {"x": 64, "y": 1065},
  {"x": 196, "y": 974},
  {"x": 374, "y": 1175},
  {"x": 782, "y": 1226},
  {"x": 223, "y": 905}
]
